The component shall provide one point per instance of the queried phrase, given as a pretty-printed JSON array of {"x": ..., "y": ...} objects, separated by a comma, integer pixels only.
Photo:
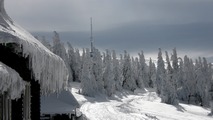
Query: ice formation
[
  {"x": 10, "y": 82},
  {"x": 47, "y": 68}
]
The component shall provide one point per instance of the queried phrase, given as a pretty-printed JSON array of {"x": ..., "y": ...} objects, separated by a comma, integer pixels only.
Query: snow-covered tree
[
  {"x": 152, "y": 74},
  {"x": 203, "y": 79},
  {"x": 88, "y": 83},
  {"x": 207, "y": 79},
  {"x": 59, "y": 49},
  {"x": 168, "y": 92},
  {"x": 118, "y": 78},
  {"x": 135, "y": 72},
  {"x": 180, "y": 74},
  {"x": 98, "y": 70},
  {"x": 200, "y": 82},
  {"x": 160, "y": 75},
  {"x": 108, "y": 75},
  {"x": 175, "y": 67},
  {"x": 78, "y": 67},
  {"x": 129, "y": 83},
  {"x": 45, "y": 42},
  {"x": 143, "y": 72},
  {"x": 189, "y": 86},
  {"x": 71, "y": 60},
  {"x": 211, "y": 90}
]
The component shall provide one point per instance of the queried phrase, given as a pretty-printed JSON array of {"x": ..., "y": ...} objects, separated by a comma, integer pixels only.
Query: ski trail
[{"x": 146, "y": 106}]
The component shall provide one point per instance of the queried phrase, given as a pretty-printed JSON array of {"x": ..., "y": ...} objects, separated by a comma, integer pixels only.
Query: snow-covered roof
[
  {"x": 10, "y": 82},
  {"x": 47, "y": 68},
  {"x": 62, "y": 103}
]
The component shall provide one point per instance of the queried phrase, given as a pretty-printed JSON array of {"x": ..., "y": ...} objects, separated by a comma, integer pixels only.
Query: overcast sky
[{"x": 133, "y": 25}]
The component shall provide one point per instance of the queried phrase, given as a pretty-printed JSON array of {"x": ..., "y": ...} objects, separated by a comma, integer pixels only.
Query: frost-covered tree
[
  {"x": 118, "y": 78},
  {"x": 160, "y": 75},
  {"x": 135, "y": 72},
  {"x": 152, "y": 74},
  {"x": 71, "y": 60},
  {"x": 108, "y": 75},
  {"x": 207, "y": 79},
  {"x": 129, "y": 82},
  {"x": 203, "y": 79},
  {"x": 143, "y": 72},
  {"x": 211, "y": 92},
  {"x": 175, "y": 67},
  {"x": 59, "y": 49},
  {"x": 200, "y": 81},
  {"x": 168, "y": 92},
  {"x": 188, "y": 88},
  {"x": 46, "y": 43},
  {"x": 180, "y": 74},
  {"x": 98, "y": 70},
  {"x": 88, "y": 83},
  {"x": 78, "y": 65}
]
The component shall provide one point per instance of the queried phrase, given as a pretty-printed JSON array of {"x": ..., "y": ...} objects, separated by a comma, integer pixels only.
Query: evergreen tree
[
  {"x": 152, "y": 74},
  {"x": 180, "y": 75},
  {"x": 59, "y": 49},
  {"x": 46, "y": 43},
  {"x": 200, "y": 82},
  {"x": 168, "y": 93},
  {"x": 143, "y": 72},
  {"x": 72, "y": 61},
  {"x": 160, "y": 75},
  {"x": 189, "y": 86},
  {"x": 211, "y": 94},
  {"x": 175, "y": 68},
  {"x": 78, "y": 67},
  {"x": 88, "y": 83},
  {"x": 128, "y": 83},
  {"x": 207, "y": 81},
  {"x": 117, "y": 72},
  {"x": 135, "y": 72},
  {"x": 98, "y": 70},
  {"x": 108, "y": 75}
]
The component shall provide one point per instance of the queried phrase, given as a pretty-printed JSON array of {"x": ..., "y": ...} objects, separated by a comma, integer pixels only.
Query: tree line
[{"x": 174, "y": 78}]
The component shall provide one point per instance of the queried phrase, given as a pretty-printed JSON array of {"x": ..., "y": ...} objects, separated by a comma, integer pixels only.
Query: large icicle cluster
[
  {"x": 10, "y": 82},
  {"x": 47, "y": 68}
]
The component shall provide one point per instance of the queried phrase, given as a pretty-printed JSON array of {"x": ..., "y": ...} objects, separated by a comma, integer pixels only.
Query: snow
[
  {"x": 10, "y": 82},
  {"x": 42, "y": 62},
  {"x": 140, "y": 105},
  {"x": 62, "y": 103}
]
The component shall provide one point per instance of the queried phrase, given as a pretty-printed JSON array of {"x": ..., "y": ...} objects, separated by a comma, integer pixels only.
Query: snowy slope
[{"x": 141, "y": 105}]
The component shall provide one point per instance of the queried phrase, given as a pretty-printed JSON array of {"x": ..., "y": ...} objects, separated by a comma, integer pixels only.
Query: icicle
[
  {"x": 10, "y": 82},
  {"x": 47, "y": 68}
]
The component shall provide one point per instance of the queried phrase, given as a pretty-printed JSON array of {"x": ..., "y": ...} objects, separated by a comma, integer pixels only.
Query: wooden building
[{"x": 36, "y": 66}]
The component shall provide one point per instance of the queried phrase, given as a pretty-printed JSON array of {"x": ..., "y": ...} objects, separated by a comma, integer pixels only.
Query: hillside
[{"x": 140, "y": 105}]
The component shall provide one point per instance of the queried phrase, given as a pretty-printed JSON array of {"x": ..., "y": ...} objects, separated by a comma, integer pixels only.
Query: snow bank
[
  {"x": 10, "y": 82},
  {"x": 47, "y": 68}
]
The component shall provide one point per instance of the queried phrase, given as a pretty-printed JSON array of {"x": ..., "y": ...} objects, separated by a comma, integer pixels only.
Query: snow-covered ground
[{"x": 140, "y": 105}]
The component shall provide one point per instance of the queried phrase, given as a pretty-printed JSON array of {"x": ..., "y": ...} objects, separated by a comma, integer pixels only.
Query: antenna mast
[{"x": 91, "y": 37}]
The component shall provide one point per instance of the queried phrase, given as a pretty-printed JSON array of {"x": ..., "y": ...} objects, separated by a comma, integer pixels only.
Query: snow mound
[
  {"x": 10, "y": 82},
  {"x": 47, "y": 68}
]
